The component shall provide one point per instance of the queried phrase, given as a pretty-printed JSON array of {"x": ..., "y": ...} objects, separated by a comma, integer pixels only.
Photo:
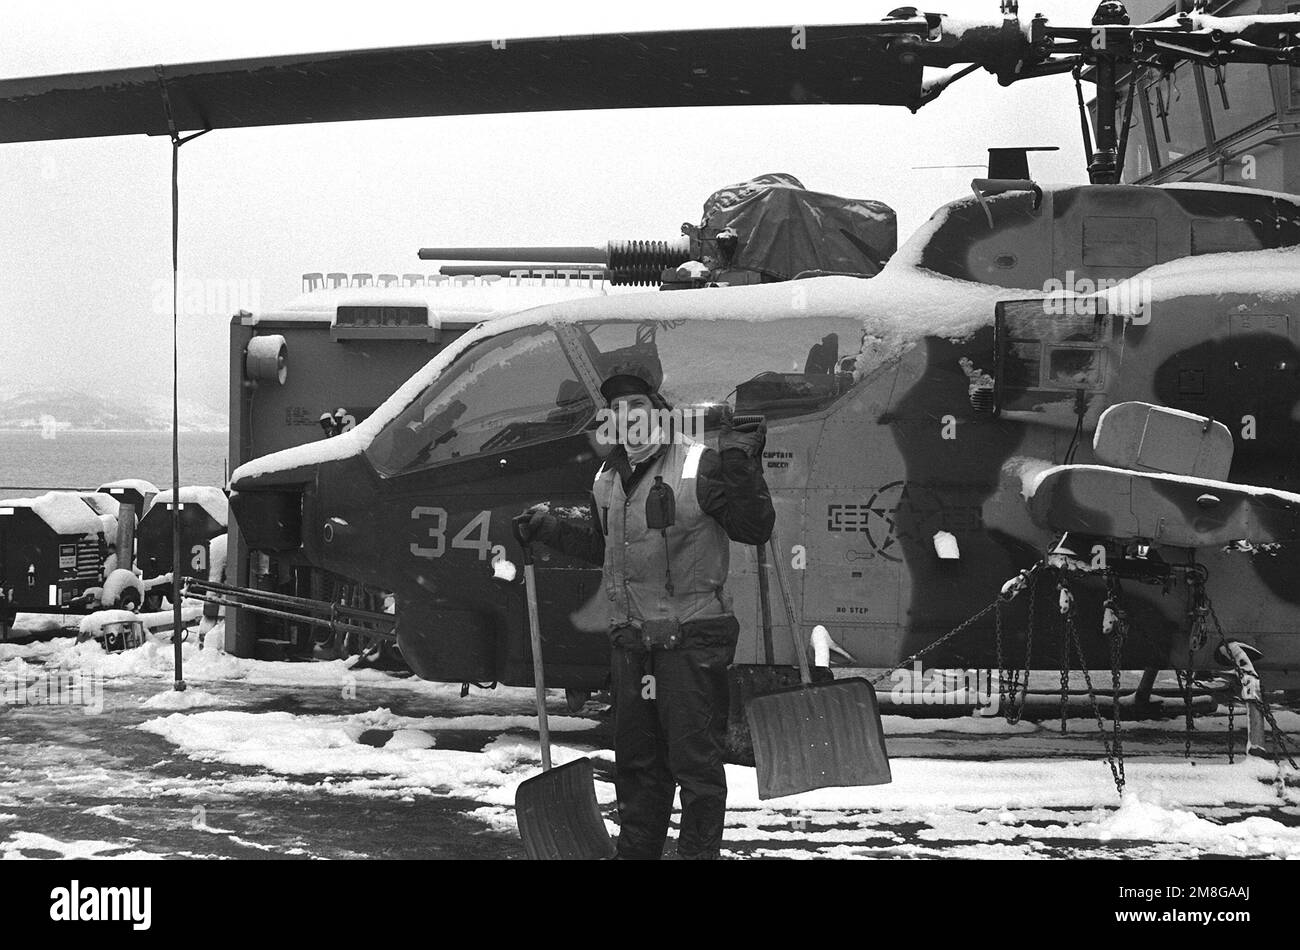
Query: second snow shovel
[
  {"x": 559, "y": 818},
  {"x": 815, "y": 735}
]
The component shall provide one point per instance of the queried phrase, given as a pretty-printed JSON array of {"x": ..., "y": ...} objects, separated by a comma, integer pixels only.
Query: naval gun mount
[{"x": 760, "y": 231}]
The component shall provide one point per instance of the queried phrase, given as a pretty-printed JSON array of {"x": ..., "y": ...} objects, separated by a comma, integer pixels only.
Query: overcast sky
[{"x": 85, "y": 225}]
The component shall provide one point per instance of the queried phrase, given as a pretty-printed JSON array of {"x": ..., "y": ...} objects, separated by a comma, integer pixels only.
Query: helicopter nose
[
  {"x": 268, "y": 504},
  {"x": 270, "y": 518}
]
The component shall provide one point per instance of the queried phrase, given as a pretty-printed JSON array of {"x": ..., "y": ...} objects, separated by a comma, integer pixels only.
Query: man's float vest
[{"x": 635, "y": 562}]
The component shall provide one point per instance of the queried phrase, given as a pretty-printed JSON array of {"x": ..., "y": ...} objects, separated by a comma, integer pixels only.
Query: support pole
[
  {"x": 125, "y": 536},
  {"x": 1143, "y": 695},
  {"x": 177, "y": 142}
]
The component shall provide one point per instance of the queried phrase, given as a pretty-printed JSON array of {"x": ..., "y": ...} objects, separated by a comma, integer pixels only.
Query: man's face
[{"x": 636, "y": 422}]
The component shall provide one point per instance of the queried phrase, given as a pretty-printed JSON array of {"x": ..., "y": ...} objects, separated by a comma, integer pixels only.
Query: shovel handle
[
  {"x": 539, "y": 678},
  {"x": 517, "y": 529},
  {"x": 805, "y": 676},
  {"x": 765, "y": 606}
]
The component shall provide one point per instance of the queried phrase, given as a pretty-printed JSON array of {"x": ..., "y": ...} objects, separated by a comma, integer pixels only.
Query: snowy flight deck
[{"x": 263, "y": 759}]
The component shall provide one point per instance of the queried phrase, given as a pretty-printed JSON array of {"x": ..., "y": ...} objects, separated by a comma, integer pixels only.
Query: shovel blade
[
  {"x": 818, "y": 736},
  {"x": 559, "y": 818},
  {"x": 746, "y": 681}
]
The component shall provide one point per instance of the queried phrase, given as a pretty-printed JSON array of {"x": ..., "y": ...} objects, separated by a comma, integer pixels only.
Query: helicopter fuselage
[{"x": 899, "y": 473}]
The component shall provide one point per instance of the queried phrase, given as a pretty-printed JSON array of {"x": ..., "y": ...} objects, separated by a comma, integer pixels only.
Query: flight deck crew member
[{"x": 672, "y": 630}]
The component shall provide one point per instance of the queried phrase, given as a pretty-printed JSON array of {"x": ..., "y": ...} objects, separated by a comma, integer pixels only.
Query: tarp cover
[{"x": 785, "y": 229}]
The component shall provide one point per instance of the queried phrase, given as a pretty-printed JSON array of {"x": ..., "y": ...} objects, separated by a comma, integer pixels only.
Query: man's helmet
[{"x": 627, "y": 380}]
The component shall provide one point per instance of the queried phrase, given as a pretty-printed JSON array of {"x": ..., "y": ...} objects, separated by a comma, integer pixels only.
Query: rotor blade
[{"x": 753, "y": 66}]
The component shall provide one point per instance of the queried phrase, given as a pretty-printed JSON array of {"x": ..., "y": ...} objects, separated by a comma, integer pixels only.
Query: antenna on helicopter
[
  {"x": 1014, "y": 162},
  {"x": 1004, "y": 163}
]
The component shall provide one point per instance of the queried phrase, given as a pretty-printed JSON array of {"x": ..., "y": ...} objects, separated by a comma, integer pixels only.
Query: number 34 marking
[{"x": 473, "y": 536}]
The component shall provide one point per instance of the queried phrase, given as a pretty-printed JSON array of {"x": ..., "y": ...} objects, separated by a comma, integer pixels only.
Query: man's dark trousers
[{"x": 670, "y": 723}]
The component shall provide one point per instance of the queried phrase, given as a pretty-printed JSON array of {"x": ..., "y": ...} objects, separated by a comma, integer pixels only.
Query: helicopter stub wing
[
  {"x": 1175, "y": 510},
  {"x": 753, "y": 66},
  {"x": 1163, "y": 479}
]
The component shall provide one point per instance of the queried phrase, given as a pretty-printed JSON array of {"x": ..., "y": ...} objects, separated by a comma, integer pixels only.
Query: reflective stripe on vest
[{"x": 637, "y": 558}]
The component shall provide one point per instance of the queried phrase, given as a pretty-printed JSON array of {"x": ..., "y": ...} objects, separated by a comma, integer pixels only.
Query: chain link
[
  {"x": 1015, "y": 587},
  {"x": 1014, "y": 711},
  {"x": 1112, "y": 740},
  {"x": 1197, "y": 637},
  {"x": 1114, "y": 757},
  {"x": 1232, "y": 715},
  {"x": 1065, "y": 603},
  {"x": 1282, "y": 747},
  {"x": 1117, "y": 636},
  {"x": 1065, "y": 680},
  {"x": 1114, "y": 752},
  {"x": 975, "y": 618},
  {"x": 997, "y": 639}
]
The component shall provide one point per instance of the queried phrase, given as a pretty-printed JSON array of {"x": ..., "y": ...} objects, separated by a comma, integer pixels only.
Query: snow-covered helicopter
[{"x": 1092, "y": 386}]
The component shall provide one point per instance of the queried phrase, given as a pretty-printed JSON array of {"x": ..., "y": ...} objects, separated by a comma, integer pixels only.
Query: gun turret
[
  {"x": 622, "y": 263},
  {"x": 769, "y": 228}
]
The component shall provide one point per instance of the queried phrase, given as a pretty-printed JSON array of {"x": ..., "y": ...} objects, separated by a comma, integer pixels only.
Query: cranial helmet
[{"x": 629, "y": 378}]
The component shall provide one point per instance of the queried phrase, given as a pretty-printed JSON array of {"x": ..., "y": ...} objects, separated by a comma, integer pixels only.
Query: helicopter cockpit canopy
[
  {"x": 503, "y": 392},
  {"x": 537, "y": 383}
]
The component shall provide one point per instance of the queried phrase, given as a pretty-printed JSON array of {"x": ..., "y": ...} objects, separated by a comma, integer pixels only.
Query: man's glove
[
  {"x": 534, "y": 525},
  {"x": 747, "y": 433}
]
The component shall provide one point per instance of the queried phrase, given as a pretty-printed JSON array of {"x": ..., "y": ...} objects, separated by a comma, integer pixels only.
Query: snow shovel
[
  {"x": 815, "y": 735},
  {"x": 558, "y": 816}
]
